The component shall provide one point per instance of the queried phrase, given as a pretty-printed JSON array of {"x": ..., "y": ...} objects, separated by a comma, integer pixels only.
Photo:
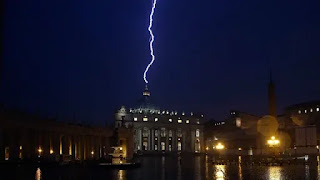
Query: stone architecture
[
  {"x": 297, "y": 129},
  {"x": 158, "y": 130},
  {"x": 272, "y": 98},
  {"x": 24, "y": 136},
  {"x": 238, "y": 133}
]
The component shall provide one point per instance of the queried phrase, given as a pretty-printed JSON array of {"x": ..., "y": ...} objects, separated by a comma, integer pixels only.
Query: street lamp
[
  {"x": 273, "y": 142},
  {"x": 39, "y": 151},
  {"x": 219, "y": 146}
]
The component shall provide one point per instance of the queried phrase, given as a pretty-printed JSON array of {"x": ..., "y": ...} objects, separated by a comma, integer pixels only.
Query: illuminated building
[
  {"x": 296, "y": 131},
  {"x": 158, "y": 130},
  {"x": 25, "y": 136}
]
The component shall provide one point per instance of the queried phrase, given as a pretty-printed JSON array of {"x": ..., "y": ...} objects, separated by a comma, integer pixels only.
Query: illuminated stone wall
[
  {"x": 162, "y": 131},
  {"x": 24, "y": 136}
]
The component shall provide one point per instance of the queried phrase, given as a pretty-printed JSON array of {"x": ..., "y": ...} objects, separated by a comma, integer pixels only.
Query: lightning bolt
[{"x": 151, "y": 41}]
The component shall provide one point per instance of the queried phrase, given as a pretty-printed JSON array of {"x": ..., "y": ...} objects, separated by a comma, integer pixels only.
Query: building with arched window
[{"x": 158, "y": 130}]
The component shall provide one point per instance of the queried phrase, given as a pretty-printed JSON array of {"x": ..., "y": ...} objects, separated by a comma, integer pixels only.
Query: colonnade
[
  {"x": 168, "y": 140},
  {"x": 30, "y": 143}
]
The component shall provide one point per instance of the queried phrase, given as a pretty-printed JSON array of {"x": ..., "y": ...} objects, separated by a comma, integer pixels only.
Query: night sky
[{"x": 84, "y": 59}]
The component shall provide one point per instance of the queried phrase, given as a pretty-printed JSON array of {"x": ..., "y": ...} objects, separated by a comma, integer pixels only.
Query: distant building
[
  {"x": 159, "y": 130},
  {"x": 307, "y": 113},
  {"x": 237, "y": 132},
  {"x": 297, "y": 130}
]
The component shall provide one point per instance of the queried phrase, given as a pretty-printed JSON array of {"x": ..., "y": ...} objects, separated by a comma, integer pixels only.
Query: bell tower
[{"x": 272, "y": 98}]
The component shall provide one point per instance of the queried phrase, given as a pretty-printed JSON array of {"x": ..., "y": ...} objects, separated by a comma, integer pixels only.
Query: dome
[{"x": 145, "y": 104}]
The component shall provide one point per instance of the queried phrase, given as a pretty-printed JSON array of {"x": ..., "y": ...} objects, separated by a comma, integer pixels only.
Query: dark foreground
[{"x": 157, "y": 167}]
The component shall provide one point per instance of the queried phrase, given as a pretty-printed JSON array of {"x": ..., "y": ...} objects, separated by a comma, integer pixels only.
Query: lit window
[
  {"x": 163, "y": 132},
  {"x": 170, "y": 120},
  {"x": 179, "y": 146},
  {"x": 191, "y": 113},
  {"x": 145, "y": 119},
  {"x": 318, "y": 109},
  {"x": 163, "y": 146},
  {"x": 311, "y": 110},
  {"x": 167, "y": 112},
  {"x": 175, "y": 113},
  {"x": 187, "y": 121},
  {"x": 156, "y": 119},
  {"x": 222, "y": 122},
  {"x": 201, "y": 115},
  {"x": 197, "y": 133},
  {"x": 305, "y": 111},
  {"x": 156, "y": 147},
  {"x": 179, "y": 121},
  {"x": 169, "y": 147},
  {"x": 198, "y": 122},
  {"x": 135, "y": 119},
  {"x": 182, "y": 113},
  {"x": 145, "y": 132},
  {"x": 156, "y": 133},
  {"x": 238, "y": 122},
  {"x": 299, "y": 111}
]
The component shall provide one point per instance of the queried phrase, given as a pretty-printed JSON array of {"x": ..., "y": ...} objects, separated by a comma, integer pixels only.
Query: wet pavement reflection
[{"x": 169, "y": 167}]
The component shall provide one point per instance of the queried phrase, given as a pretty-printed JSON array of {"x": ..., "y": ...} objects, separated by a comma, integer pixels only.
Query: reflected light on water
[
  {"x": 179, "y": 168},
  {"x": 38, "y": 174},
  {"x": 307, "y": 176},
  {"x": 197, "y": 168},
  {"x": 240, "y": 168},
  {"x": 121, "y": 175},
  {"x": 163, "y": 167},
  {"x": 220, "y": 172},
  {"x": 318, "y": 161},
  {"x": 207, "y": 167},
  {"x": 274, "y": 173}
]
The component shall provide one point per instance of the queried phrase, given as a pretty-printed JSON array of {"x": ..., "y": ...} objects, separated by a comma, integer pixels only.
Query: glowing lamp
[
  {"x": 273, "y": 141},
  {"x": 219, "y": 146}
]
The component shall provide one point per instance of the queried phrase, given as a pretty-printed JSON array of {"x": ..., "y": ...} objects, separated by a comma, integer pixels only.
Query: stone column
[
  {"x": 159, "y": 139},
  {"x": 149, "y": 139},
  {"x": 183, "y": 141},
  {"x": 174, "y": 140},
  {"x": 193, "y": 140},
  {"x": 1, "y": 145},
  {"x": 152, "y": 139},
  {"x": 84, "y": 146},
  {"x": 140, "y": 138},
  {"x": 167, "y": 140}
]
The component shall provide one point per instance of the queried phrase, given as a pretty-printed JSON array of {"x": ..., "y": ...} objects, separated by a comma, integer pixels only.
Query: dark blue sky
[{"x": 87, "y": 57}]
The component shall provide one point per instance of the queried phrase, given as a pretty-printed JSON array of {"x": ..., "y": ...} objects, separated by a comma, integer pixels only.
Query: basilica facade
[{"x": 158, "y": 130}]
